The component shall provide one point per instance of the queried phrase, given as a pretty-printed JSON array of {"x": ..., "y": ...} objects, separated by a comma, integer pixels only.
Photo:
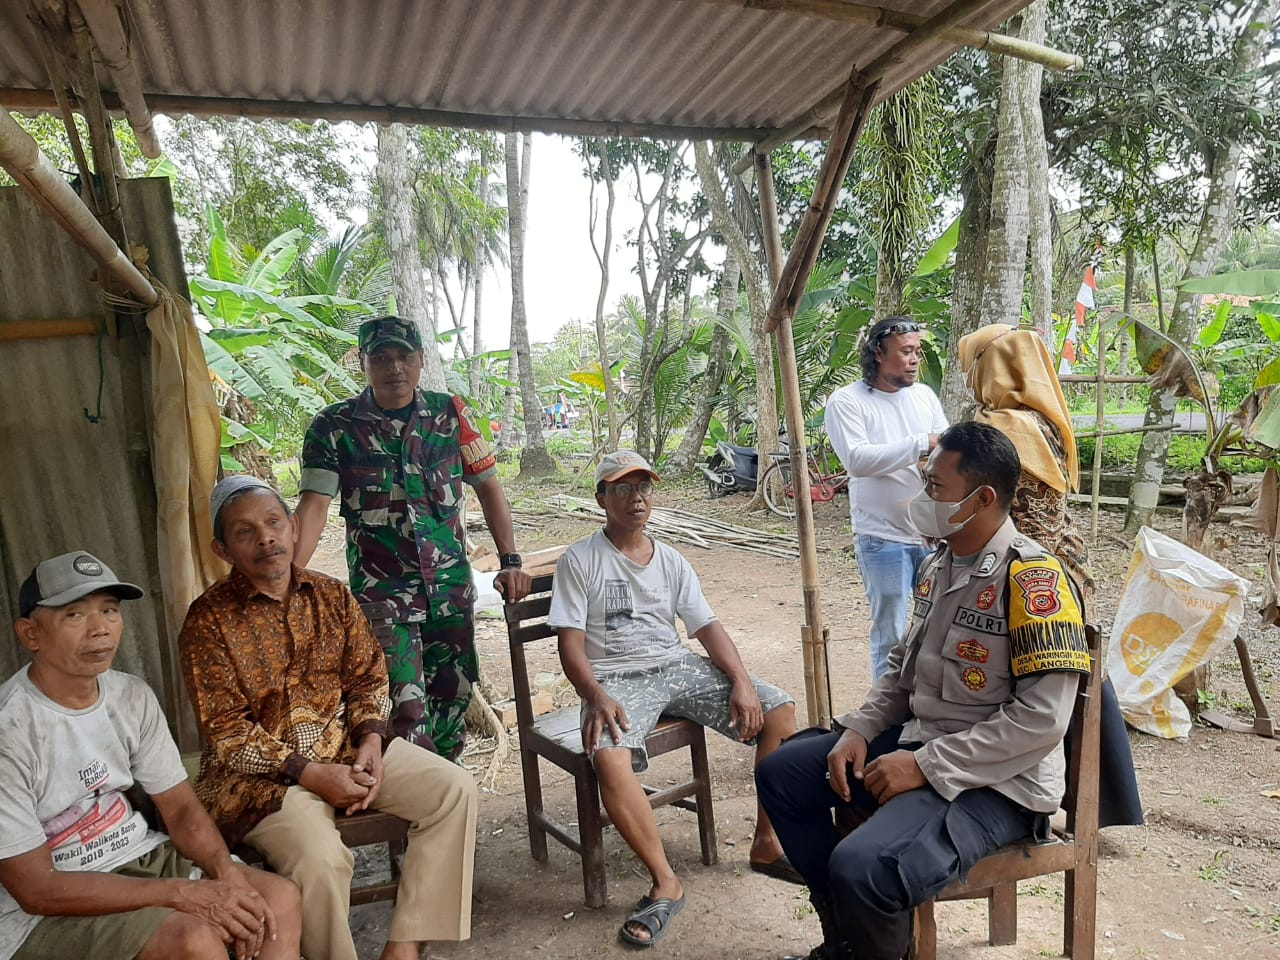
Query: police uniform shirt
[{"x": 987, "y": 675}]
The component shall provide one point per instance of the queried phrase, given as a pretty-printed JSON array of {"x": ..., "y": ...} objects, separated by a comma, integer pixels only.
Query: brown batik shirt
[{"x": 276, "y": 684}]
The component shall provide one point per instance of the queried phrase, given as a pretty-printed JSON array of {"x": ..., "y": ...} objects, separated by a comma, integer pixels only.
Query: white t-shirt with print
[
  {"x": 63, "y": 776},
  {"x": 627, "y": 610}
]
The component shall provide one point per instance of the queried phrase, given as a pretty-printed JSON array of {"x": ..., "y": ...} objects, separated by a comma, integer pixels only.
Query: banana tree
[
  {"x": 1254, "y": 428},
  {"x": 280, "y": 351}
]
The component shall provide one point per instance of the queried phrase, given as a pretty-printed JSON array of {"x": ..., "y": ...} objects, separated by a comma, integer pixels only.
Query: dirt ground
[{"x": 1201, "y": 879}]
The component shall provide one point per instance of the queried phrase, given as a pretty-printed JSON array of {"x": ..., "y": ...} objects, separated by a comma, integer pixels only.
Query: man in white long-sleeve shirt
[
  {"x": 957, "y": 750},
  {"x": 880, "y": 428}
]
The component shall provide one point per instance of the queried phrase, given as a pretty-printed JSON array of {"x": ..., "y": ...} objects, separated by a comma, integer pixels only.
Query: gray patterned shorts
[{"x": 688, "y": 686}]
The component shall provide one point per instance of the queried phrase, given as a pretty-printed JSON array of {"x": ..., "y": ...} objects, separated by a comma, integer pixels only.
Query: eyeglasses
[{"x": 624, "y": 489}]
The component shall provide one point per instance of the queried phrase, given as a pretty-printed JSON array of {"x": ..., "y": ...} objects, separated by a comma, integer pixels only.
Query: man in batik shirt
[
  {"x": 290, "y": 689},
  {"x": 397, "y": 458}
]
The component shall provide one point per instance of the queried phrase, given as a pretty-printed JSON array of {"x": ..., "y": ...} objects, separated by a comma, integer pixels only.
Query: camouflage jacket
[{"x": 399, "y": 485}]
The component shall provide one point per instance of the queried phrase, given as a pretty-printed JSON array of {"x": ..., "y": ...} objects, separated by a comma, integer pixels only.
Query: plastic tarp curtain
[{"x": 185, "y": 441}]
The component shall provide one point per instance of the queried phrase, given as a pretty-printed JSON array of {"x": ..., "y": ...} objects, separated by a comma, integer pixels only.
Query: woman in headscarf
[{"x": 1012, "y": 377}]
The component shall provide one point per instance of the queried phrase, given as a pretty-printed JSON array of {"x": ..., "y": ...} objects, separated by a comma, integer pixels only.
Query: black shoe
[{"x": 825, "y": 951}]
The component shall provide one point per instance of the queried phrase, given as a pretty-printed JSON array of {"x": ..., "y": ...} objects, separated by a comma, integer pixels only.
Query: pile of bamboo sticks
[{"x": 680, "y": 526}]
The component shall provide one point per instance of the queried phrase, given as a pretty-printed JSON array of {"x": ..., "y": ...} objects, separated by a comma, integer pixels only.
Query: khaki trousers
[{"x": 439, "y": 800}]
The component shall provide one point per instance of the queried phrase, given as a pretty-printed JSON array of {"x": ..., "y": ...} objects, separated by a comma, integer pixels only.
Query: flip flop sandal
[
  {"x": 780, "y": 869},
  {"x": 654, "y": 915}
]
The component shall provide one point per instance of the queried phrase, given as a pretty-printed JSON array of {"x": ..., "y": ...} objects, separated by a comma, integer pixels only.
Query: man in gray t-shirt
[
  {"x": 614, "y": 604},
  {"x": 82, "y": 874}
]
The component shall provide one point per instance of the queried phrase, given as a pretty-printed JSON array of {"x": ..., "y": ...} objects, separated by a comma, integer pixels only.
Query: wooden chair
[
  {"x": 557, "y": 737},
  {"x": 364, "y": 829},
  {"x": 1075, "y": 854}
]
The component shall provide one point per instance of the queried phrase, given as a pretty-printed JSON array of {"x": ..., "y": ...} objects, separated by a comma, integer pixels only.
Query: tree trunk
[
  {"x": 1216, "y": 221},
  {"x": 757, "y": 301},
  {"x": 602, "y": 253},
  {"x": 1007, "y": 235},
  {"x": 395, "y": 179},
  {"x": 477, "y": 344},
  {"x": 690, "y": 449},
  {"x": 534, "y": 459},
  {"x": 967, "y": 282},
  {"x": 1034, "y": 26}
]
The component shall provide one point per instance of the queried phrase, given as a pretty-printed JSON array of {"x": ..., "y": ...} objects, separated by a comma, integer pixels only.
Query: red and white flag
[{"x": 1084, "y": 303}]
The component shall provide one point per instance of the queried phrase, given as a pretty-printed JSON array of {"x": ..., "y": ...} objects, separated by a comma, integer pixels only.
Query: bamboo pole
[
  {"x": 16, "y": 330},
  {"x": 858, "y": 97},
  {"x": 1100, "y": 389},
  {"x": 103, "y": 18},
  {"x": 813, "y": 632},
  {"x": 21, "y": 157},
  {"x": 1156, "y": 427},
  {"x": 816, "y": 116},
  {"x": 842, "y": 11}
]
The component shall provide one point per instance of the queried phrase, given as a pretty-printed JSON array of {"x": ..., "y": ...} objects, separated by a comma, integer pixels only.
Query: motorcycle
[{"x": 731, "y": 469}]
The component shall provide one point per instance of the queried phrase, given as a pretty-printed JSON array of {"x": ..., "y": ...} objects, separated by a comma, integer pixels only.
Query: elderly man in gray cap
[
  {"x": 614, "y": 604},
  {"x": 290, "y": 688},
  {"x": 83, "y": 874}
]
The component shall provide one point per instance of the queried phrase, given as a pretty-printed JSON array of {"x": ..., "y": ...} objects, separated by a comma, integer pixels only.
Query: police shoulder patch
[{"x": 1046, "y": 628}]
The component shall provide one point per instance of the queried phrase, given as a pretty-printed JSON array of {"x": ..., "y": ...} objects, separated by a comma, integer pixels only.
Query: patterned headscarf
[{"x": 1010, "y": 371}]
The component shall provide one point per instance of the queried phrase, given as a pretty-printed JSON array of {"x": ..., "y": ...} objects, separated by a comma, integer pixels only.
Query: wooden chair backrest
[
  {"x": 526, "y": 623},
  {"x": 1084, "y": 736}
]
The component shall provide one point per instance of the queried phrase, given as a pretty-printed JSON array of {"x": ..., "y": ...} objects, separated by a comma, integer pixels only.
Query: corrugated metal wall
[{"x": 66, "y": 482}]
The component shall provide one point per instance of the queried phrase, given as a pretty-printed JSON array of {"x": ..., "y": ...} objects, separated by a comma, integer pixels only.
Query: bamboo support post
[
  {"x": 858, "y": 96},
  {"x": 21, "y": 156},
  {"x": 103, "y": 18},
  {"x": 814, "y": 651},
  {"x": 1100, "y": 385}
]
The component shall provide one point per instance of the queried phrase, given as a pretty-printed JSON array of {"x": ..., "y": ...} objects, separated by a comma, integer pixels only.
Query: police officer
[
  {"x": 397, "y": 458},
  {"x": 957, "y": 750}
]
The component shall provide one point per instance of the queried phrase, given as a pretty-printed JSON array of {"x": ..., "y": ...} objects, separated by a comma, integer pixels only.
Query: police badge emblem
[{"x": 987, "y": 597}]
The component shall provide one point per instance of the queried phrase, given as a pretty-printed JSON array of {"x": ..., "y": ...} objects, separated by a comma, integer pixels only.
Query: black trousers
[{"x": 904, "y": 855}]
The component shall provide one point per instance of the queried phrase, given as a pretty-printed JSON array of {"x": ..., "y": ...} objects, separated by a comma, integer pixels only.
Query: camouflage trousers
[{"x": 431, "y": 666}]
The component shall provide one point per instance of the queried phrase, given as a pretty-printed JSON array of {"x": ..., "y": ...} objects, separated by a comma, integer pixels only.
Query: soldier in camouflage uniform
[{"x": 397, "y": 457}]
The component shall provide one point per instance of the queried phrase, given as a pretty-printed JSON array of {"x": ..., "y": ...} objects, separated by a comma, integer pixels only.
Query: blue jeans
[{"x": 888, "y": 570}]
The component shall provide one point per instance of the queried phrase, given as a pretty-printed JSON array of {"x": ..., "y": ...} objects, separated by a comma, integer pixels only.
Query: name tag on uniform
[{"x": 982, "y": 622}]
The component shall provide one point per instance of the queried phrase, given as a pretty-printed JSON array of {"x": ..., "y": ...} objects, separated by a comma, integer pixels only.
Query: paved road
[{"x": 1184, "y": 422}]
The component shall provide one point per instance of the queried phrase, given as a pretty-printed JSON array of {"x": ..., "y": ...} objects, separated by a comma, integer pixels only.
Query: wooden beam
[
  {"x": 25, "y": 100},
  {"x": 859, "y": 94},
  {"x": 939, "y": 26}
]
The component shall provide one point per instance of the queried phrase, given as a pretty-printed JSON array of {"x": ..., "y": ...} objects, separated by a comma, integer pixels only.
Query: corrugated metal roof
[
  {"x": 657, "y": 63},
  {"x": 67, "y": 483}
]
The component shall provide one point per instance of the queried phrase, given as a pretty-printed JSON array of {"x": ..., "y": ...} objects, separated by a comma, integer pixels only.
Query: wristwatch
[{"x": 510, "y": 561}]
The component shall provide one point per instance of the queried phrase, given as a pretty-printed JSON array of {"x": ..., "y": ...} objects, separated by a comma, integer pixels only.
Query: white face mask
[{"x": 933, "y": 517}]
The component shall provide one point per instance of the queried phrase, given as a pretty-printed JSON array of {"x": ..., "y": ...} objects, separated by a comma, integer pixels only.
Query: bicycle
[{"x": 780, "y": 493}]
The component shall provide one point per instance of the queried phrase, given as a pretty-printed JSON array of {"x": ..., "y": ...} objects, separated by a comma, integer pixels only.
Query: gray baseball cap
[{"x": 66, "y": 578}]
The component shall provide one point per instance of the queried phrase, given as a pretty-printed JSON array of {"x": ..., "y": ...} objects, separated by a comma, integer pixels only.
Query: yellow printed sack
[{"x": 1177, "y": 611}]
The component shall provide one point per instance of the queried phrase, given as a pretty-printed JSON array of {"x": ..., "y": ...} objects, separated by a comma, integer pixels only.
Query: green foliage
[
  {"x": 281, "y": 351},
  {"x": 263, "y": 177},
  {"x": 1186, "y": 453}
]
